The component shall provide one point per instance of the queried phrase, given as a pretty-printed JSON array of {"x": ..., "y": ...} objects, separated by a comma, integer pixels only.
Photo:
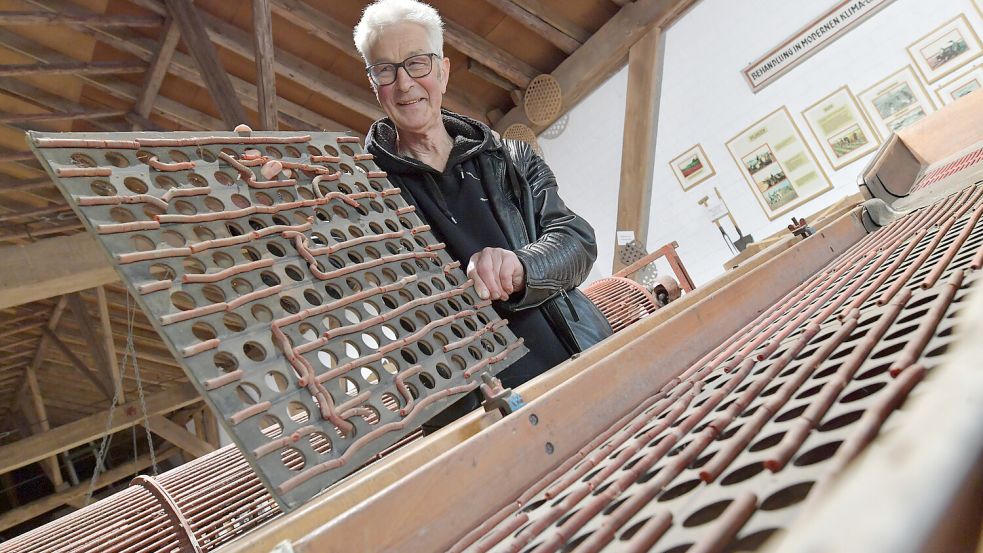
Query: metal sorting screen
[
  {"x": 310, "y": 305},
  {"x": 729, "y": 453}
]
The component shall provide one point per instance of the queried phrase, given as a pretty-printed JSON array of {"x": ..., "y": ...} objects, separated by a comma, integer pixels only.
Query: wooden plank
[
  {"x": 478, "y": 48},
  {"x": 511, "y": 451},
  {"x": 69, "y": 116},
  {"x": 32, "y": 449},
  {"x": 179, "y": 436},
  {"x": 51, "y": 502},
  {"x": 48, "y": 100},
  {"x": 8, "y": 18},
  {"x": 536, "y": 24},
  {"x": 79, "y": 365},
  {"x": 638, "y": 142},
  {"x": 265, "y": 71},
  {"x": 196, "y": 38},
  {"x": 489, "y": 76},
  {"x": 109, "y": 344},
  {"x": 52, "y": 267},
  {"x": 155, "y": 74},
  {"x": 7, "y": 186},
  {"x": 76, "y": 68},
  {"x": 601, "y": 56}
]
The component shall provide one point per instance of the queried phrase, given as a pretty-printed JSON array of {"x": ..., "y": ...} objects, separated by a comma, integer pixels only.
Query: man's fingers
[
  {"x": 488, "y": 264},
  {"x": 505, "y": 272},
  {"x": 479, "y": 284}
]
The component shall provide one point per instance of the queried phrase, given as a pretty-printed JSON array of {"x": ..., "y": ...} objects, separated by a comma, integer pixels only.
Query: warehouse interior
[{"x": 784, "y": 200}]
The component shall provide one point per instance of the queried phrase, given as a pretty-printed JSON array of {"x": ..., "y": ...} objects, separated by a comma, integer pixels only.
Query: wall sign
[{"x": 810, "y": 39}]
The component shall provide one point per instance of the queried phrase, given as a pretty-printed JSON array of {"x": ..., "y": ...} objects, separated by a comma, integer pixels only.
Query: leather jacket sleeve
[{"x": 564, "y": 251}]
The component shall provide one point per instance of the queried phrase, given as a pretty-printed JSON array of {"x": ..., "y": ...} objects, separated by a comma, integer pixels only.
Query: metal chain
[{"x": 131, "y": 352}]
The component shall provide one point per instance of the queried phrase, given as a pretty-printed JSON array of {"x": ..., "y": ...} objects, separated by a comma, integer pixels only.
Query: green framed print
[
  {"x": 777, "y": 163},
  {"x": 961, "y": 85},
  {"x": 946, "y": 49},
  {"x": 896, "y": 101},
  {"x": 840, "y": 127},
  {"x": 692, "y": 167}
]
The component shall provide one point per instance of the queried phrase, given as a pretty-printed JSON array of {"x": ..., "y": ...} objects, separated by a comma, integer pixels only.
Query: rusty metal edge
[{"x": 462, "y": 474}]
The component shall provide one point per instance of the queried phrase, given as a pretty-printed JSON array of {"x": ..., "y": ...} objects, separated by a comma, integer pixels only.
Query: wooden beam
[
  {"x": 34, "y": 234},
  {"x": 155, "y": 74},
  {"x": 95, "y": 343},
  {"x": 48, "y": 100},
  {"x": 52, "y": 267},
  {"x": 265, "y": 70},
  {"x": 70, "y": 116},
  {"x": 196, "y": 38},
  {"x": 183, "y": 66},
  {"x": 24, "y": 185},
  {"x": 638, "y": 142},
  {"x": 40, "y": 415},
  {"x": 78, "y": 363},
  {"x": 478, "y": 48},
  {"x": 554, "y": 18},
  {"x": 77, "y": 68},
  {"x": 51, "y": 502},
  {"x": 98, "y": 19},
  {"x": 35, "y": 213},
  {"x": 32, "y": 449},
  {"x": 536, "y": 24},
  {"x": 489, "y": 76},
  {"x": 179, "y": 436},
  {"x": 175, "y": 111},
  {"x": 109, "y": 344},
  {"x": 601, "y": 56},
  {"x": 16, "y": 156}
]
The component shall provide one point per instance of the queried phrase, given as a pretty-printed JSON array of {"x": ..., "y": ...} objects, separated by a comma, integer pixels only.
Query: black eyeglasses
[{"x": 416, "y": 66}]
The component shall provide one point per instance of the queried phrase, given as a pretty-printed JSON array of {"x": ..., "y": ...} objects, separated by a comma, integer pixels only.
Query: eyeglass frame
[{"x": 396, "y": 66}]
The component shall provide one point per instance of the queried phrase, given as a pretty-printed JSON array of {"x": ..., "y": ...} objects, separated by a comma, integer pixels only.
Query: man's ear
[{"x": 445, "y": 73}]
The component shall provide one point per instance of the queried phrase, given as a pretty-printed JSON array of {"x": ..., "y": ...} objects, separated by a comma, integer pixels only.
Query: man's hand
[{"x": 497, "y": 273}]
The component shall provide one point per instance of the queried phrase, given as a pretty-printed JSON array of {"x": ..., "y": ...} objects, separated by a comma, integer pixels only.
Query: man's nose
[{"x": 403, "y": 79}]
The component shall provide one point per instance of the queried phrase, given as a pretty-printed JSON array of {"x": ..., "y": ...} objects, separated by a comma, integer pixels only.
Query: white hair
[{"x": 383, "y": 13}]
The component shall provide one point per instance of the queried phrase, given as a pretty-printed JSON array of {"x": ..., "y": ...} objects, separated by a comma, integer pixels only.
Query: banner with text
[{"x": 809, "y": 40}]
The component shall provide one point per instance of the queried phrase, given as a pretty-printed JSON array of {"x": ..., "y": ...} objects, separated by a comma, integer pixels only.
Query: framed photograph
[
  {"x": 842, "y": 130},
  {"x": 692, "y": 167},
  {"x": 960, "y": 86},
  {"x": 777, "y": 163},
  {"x": 896, "y": 102},
  {"x": 945, "y": 49}
]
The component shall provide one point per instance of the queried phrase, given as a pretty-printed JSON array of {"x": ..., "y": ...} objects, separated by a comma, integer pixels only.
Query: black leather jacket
[{"x": 555, "y": 246}]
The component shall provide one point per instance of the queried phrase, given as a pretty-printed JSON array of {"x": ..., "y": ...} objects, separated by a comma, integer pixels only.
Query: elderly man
[{"x": 494, "y": 202}]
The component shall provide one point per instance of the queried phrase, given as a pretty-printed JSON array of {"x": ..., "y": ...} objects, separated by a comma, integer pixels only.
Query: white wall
[
  {"x": 705, "y": 100},
  {"x": 586, "y": 158}
]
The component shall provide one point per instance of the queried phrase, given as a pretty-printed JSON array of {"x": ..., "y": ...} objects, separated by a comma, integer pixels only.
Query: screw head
[{"x": 549, "y": 448}]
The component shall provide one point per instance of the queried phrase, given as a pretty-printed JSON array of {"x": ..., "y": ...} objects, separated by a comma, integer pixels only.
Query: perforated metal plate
[{"x": 310, "y": 305}]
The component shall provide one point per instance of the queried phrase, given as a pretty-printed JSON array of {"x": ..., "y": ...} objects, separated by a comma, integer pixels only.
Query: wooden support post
[
  {"x": 201, "y": 48},
  {"x": 155, "y": 74},
  {"x": 110, "y": 345},
  {"x": 179, "y": 436},
  {"x": 265, "y": 68},
  {"x": 638, "y": 145}
]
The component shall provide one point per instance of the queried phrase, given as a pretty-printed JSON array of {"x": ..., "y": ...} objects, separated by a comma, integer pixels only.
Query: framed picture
[
  {"x": 778, "y": 165},
  {"x": 692, "y": 167},
  {"x": 945, "y": 49},
  {"x": 896, "y": 101},
  {"x": 960, "y": 86},
  {"x": 841, "y": 128}
]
